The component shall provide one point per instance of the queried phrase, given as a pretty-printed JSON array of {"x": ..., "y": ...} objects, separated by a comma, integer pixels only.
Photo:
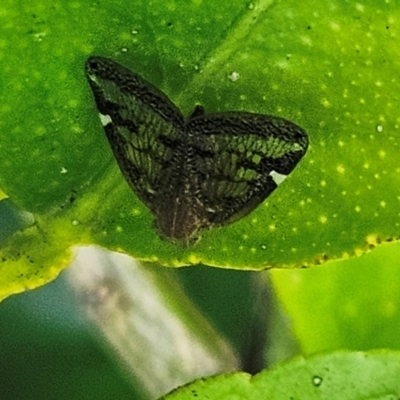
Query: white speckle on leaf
[
  {"x": 39, "y": 36},
  {"x": 317, "y": 381},
  {"x": 323, "y": 219},
  {"x": 360, "y": 7},
  {"x": 326, "y": 103},
  {"x": 136, "y": 212},
  {"x": 283, "y": 64},
  {"x": 234, "y": 76},
  {"x": 334, "y": 26},
  {"x": 340, "y": 169},
  {"x": 76, "y": 129},
  {"x": 272, "y": 227},
  {"x": 306, "y": 40}
]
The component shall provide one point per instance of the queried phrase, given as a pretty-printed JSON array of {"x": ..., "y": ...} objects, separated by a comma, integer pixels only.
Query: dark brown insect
[{"x": 193, "y": 173}]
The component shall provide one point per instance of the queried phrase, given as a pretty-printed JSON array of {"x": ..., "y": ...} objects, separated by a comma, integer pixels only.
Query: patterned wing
[
  {"x": 142, "y": 125},
  {"x": 239, "y": 157}
]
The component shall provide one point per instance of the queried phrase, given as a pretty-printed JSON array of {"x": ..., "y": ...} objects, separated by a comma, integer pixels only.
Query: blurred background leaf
[
  {"x": 351, "y": 304},
  {"x": 48, "y": 350},
  {"x": 51, "y": 348},
  {"x": 331, "y": 69}
]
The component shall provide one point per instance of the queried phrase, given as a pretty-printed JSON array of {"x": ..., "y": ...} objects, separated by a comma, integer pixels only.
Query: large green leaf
[
  {"x": 329, "y": 67},
  {"x": 357, "y": 376}
]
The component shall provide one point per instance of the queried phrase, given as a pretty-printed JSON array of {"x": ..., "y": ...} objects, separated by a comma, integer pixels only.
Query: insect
[{"x": 193, "y": 173}]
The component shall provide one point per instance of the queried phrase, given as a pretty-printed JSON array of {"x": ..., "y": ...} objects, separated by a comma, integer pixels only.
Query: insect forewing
[
  {"x": 142, "y": 125},
  {"x": 244, "y": 152}
]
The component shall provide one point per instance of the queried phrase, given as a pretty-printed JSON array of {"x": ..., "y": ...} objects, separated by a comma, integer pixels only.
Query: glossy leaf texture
[{"x": 341, "y": 375}]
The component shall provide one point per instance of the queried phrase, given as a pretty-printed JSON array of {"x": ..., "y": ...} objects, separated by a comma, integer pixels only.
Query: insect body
[{"x": 193, "y": 173}]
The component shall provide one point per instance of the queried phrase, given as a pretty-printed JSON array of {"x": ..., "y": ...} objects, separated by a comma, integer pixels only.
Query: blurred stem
[{"x": 142, "y": 311}]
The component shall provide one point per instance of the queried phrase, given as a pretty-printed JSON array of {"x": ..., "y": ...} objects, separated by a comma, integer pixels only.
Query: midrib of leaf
[{"x": 213, "y": 61}]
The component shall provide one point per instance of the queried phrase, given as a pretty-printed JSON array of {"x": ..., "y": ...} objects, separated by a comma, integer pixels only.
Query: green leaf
[
  {"x": 333, "y": 73},
  {"x": 357, "y": 376},
  {"x": 352, "y": 304}
]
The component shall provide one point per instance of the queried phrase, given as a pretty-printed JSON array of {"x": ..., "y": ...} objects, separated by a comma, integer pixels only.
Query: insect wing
[
  {"x": 142, "y": 125},
  {"x": 239, "y": 156}
]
